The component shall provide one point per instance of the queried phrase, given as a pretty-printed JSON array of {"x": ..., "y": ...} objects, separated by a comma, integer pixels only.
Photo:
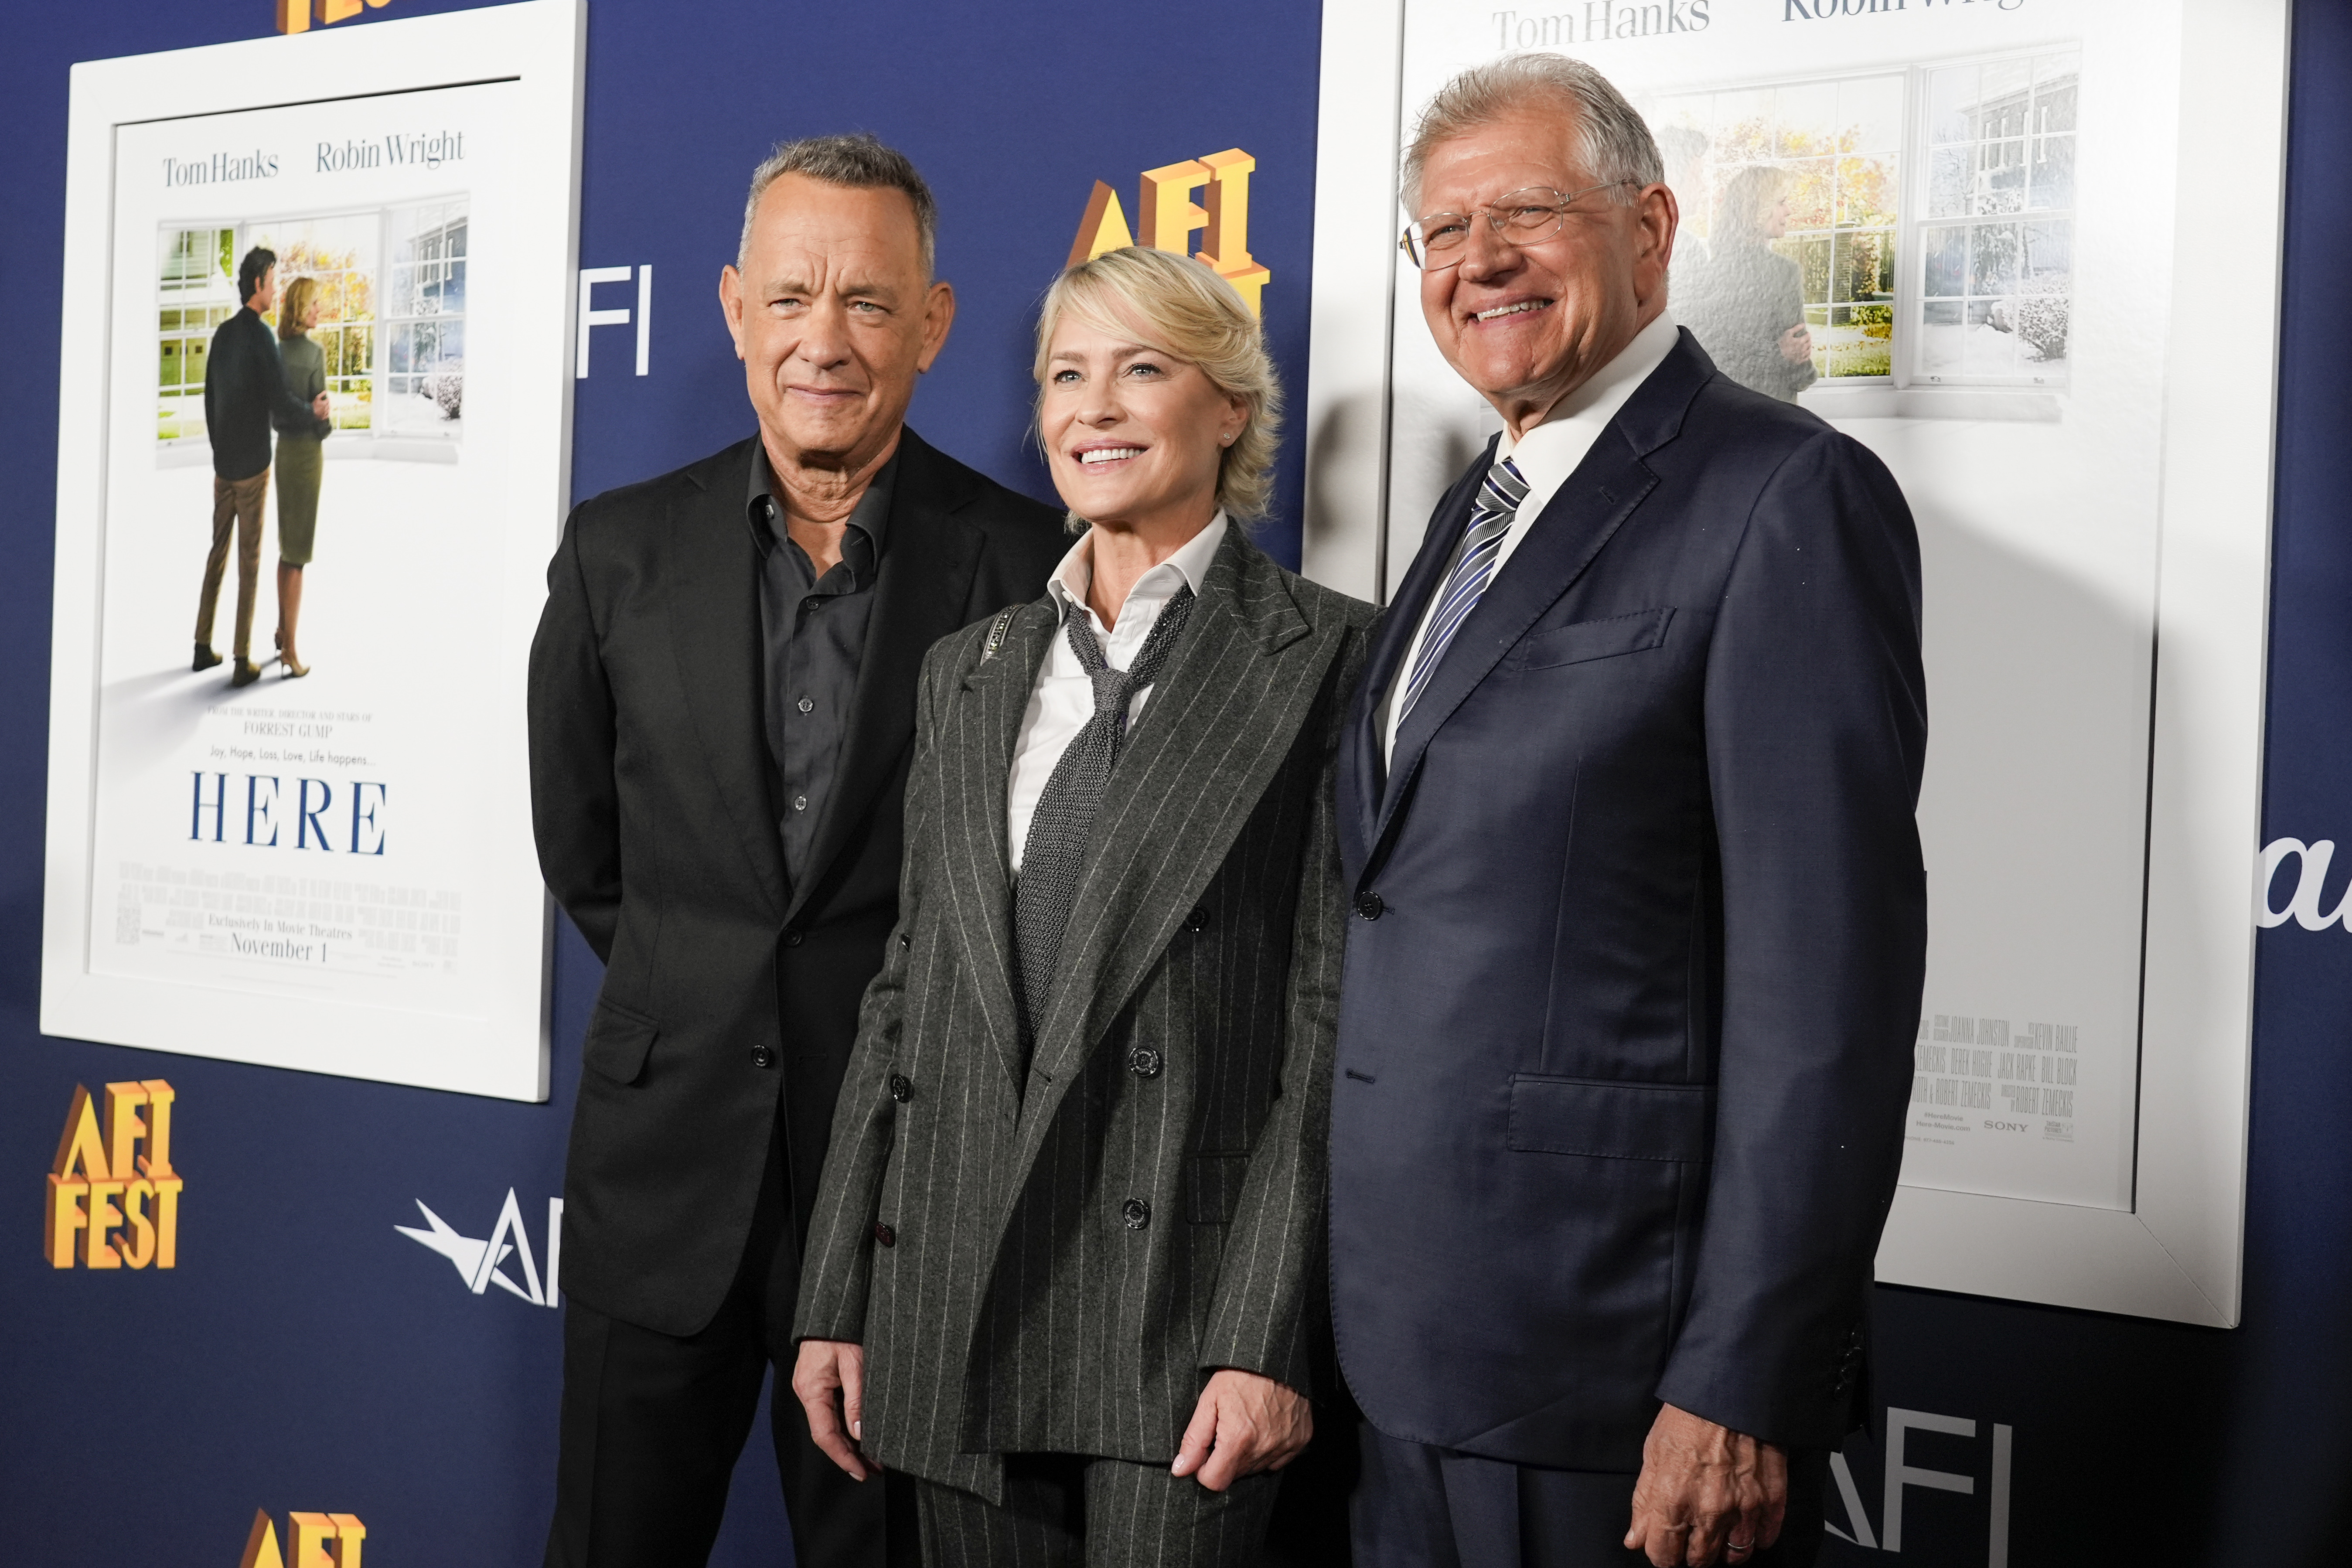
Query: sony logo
[{"x": 2006, "y": 1126}]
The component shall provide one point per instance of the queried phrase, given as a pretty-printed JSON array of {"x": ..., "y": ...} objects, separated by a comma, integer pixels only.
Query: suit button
[
  {"x": 1369, "y": 905},
  {"x": 884, "y": 1234},
  {"x": 1144, "y": 1061},
  {"x": 762, "y": 1056},
  {"x": 792, "y": 938},
  {"x": 900, "y": 1089},
  {"x": 1198, "y": 921},
  {"x": 1136, "y": 1212},
  {"x": 905, "y": 939}
]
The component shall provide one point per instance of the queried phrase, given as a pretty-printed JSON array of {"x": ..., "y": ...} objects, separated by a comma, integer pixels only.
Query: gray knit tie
[{"x": 1054, "y": 855}]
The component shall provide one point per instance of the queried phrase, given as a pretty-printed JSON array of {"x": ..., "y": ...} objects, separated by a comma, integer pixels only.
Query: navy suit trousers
[{"x": 1419, "y": 1507}]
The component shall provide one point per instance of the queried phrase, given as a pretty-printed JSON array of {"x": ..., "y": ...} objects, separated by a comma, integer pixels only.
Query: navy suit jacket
[{"x": 1641, "y": 924}]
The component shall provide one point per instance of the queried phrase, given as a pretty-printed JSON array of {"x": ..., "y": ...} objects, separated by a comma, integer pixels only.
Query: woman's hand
[
  {"x": 1797, "y": 344},
  {"x": 1244, "y": 1424},
  {"x": 830, "y": 1380}
]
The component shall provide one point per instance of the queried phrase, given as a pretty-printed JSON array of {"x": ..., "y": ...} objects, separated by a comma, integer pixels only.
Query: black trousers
[
  {"x": 652, "y": 1426},
  {"x": 1418, "y": 1507}
]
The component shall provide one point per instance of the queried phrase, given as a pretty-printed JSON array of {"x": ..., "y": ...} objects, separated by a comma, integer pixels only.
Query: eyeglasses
[{"x": 1439, "y": 240}]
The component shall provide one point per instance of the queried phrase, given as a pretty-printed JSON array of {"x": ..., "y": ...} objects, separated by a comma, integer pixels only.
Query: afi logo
[
  {"x": 478, "y": 1262},
  {"x": 295, "y": 16},
  {"x": 113, "y": 1198},
  {"x": 1903, "y": 1428},
  {"x": 1169, "y": 215},
  {"x": 317, "y": 1540}
]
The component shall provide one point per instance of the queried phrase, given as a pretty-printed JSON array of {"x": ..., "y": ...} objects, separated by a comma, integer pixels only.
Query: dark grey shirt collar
[{"x": 869, "y": 520}]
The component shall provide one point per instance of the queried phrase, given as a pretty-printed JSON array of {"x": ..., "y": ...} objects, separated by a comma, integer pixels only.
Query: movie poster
[
  {"x": 1947, "y": 227},
  {"x": 306, "y": 808}
]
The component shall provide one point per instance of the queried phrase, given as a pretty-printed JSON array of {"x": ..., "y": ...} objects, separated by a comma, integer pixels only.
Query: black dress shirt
[
  {"x": 812, "y": 631},
  {"x": 245, "y": 392}
]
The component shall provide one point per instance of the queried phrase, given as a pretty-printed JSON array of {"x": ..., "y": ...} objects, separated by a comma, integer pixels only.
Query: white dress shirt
[
  {"x": 1064, "y": 698},
  {"x": 1546, "y": 457}
]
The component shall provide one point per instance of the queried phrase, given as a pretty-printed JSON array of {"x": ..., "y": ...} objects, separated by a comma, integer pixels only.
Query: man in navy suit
[{"x": 1627, "y": 816}]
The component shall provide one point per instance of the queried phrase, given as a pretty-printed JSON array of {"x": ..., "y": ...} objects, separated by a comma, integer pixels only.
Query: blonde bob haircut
[
  {"x": 293, "y": 304},
  {"x": 1178, "y": 306}
]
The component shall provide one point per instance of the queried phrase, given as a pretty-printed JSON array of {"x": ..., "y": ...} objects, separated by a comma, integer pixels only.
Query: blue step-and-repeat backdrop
[{"x": 323, "y": 1345}]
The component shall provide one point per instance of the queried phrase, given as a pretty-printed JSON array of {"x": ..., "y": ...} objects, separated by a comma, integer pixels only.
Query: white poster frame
[
  {"x": 540, "y": 47},
  {"x": 2175, "y": 1254}
]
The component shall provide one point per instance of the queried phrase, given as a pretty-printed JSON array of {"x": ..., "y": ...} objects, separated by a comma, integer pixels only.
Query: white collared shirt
[
  {"x": 1064, "y": 698},
  {"x": 1546, "y": 457}
]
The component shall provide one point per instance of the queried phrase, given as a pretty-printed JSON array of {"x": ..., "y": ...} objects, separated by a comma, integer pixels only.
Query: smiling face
[
  {"x": 834, "y": 318},
  {"x": 1134, "y": 435},
  {"x": 1526, "y": 325}
]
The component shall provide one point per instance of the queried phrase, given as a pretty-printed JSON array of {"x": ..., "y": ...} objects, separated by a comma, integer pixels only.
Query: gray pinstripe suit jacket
[{"x": 1184, "y": 1062}]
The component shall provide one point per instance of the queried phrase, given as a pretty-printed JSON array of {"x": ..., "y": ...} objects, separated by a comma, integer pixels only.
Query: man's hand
[
  {"x": 1705, "y": 1489},
  {"x": 318, "y": 405},
  {"x": 1797, "y": 344},
  {"x": 830, "y": 1380},
  {"x": 1244, "y": 1424}
]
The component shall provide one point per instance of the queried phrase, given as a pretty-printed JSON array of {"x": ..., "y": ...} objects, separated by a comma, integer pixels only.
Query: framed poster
[
  {"x": 316, "y": 852},
  {"x": 2026, "y": 250}
]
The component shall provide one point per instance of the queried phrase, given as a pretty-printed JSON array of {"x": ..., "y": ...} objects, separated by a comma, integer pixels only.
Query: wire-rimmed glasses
[{"x": 1527, "y": 217}]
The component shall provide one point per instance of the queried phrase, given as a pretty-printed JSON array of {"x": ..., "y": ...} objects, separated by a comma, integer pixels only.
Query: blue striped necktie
[{"x": 1490, "y": 520}]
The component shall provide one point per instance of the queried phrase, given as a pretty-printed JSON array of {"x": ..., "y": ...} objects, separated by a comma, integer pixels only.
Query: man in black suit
[
  {"x": 1626, "y": 814},
  {"x": 722, "y": 707}
]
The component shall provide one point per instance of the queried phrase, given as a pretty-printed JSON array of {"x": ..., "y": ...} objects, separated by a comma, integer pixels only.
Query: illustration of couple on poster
[{"x": 251, "y": 385}]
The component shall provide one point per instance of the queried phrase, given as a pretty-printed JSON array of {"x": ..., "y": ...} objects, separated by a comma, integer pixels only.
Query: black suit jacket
[
  {"x": 1624, "y": 1053},
  {"x": 725, "y": 988}
]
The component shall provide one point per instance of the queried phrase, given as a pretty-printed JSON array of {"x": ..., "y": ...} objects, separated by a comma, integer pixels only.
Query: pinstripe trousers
[{"x": 1067, "y": 1510}]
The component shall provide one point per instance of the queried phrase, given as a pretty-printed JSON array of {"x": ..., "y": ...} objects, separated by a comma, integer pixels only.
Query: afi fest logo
[
  {"x": 317, "y": 1539},
  {"x": 1168, "y": 215},
  {"x": 113, "y": 1198},
  {"x": 478, "y": 1262},
  {"x": 295, "y": 16}
]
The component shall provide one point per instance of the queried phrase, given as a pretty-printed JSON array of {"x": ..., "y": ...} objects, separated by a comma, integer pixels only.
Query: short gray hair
[
  {"x": 859, "y": 160},
  {"x": 1612, "y": 140}
]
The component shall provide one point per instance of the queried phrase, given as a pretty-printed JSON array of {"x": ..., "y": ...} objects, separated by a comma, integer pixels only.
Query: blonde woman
[
  {"x": 1745, "y": 302},
  {"x": 299, "y": 463},
  {"x": 1061, "y": 1267}
]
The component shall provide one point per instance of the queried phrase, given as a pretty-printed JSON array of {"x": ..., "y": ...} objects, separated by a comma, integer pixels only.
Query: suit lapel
[
  {"x": 714, "y": 618},
  {"x": 1210, "y": 740},
  {"x": 1581, "y": 517},
  {"x": 985, "y": 725},
  {"x": 918, "y": 598},
  {"x": 1367, "y": 773}
]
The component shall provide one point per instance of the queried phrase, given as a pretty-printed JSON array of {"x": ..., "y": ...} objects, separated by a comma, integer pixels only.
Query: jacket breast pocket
[
  {"x": 1610, "y": 1118},
  {"x": 1584, "y": 640},
  {"x": 618, "y": 1041}
]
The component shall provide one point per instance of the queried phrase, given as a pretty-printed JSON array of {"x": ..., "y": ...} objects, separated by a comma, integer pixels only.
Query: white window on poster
[
  {"x": 1997, "y": 246},
  {"x": 339, "y": 253},
  {"x": 1797, "y": 197},
  {"x": 392, "y": 332},
  {"x": 1794, "y": 193},
  {"x": 424, "y": 320},
  {"x": 196, "y": 292}
]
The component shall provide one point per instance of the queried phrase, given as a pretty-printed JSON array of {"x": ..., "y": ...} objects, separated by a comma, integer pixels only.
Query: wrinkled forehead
[{"x": 1532, "y": 144}]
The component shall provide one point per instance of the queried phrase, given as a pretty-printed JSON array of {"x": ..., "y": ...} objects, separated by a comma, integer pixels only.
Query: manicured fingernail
[{"x": 857, "y": 1430}]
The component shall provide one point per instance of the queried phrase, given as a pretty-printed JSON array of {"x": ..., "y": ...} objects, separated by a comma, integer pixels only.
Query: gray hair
[
  {"x": 1611, "y": 139},
  {"x": 859, "y": 160}
]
